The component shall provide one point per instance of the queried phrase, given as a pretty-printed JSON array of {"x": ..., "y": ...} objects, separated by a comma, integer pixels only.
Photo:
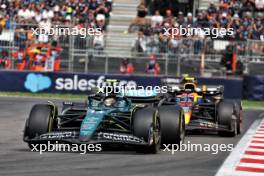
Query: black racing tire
[
  {"x": 38, "y": 121},
  {"x": 238, "y": 113},
  {"x": 146, "y": 126},
  {"x": 226, "y": 117},
  {"x": 172, "y": 124}
]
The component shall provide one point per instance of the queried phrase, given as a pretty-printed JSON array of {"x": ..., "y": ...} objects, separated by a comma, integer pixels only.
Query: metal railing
[{"x": 183, "y": 56}]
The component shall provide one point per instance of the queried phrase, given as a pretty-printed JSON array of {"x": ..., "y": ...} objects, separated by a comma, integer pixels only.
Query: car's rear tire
[
  {"x": 238, "y": 113},
  {"x": 146, "y": 125},
  {"x": 172, "y": 124},
  {"x": 39, "y": 121},
  {"x": 226, "y": 117}
]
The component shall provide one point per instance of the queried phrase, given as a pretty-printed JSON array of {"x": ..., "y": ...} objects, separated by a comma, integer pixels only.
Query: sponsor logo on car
[
  {"x": 59, "y": 135},
  {"x": 120, "y": 137}
]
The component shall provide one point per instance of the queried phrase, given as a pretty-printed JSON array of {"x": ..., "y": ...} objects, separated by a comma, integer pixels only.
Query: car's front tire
[
  {"x": 238, "y": 113},
  {"x": 146, "y": 125},
  {"x": 172, "y": 124},
  {"x": 227, "y": 118},
  {"x": 40, "y": 121}
]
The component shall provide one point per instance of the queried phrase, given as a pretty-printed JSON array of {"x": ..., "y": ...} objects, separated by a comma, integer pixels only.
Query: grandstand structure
[
  {"x": 204, "y": 4},
  {"x": 117, "y": 42},
  {"x": 103, "y": 54}
]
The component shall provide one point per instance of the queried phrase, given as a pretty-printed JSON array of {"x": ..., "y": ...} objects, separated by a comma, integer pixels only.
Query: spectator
[
  {"x": 180, "y": 18},
  {"x": 139, "y": 44},
  {"x": 225, "y": 4},
  {"x": 248, "y": 6},
  {"x": 227, "y": 59},
  {"x": 5, "y": 62},
  {"x": 174, "y": 45},
  {"x": 212, "y": 10},
  {"x": 163, "y": 43},
  {"x": 98, "y": 43},
  {"x": 102, "y": 13},
  {"x": 258, "y": 27},
  {"x": 189, "y": 20},
  {"x": 20, "y": 55},
  {"x": 20, "y": 38},
  {"x": 153, "y": 66},
  {"x": 126, "y": 67},
  {"x": 169, "y": 18},
  {"x": 198, "y": 43},
  {"x": 259, "y": 5},
  {"x": 156, "y": 20},
  {"x": 202, "y": 20},
  {"x": 39, "y": 60},
  {"x": 140, "y": 19},
  {"x": 152, "y": 45},
  {"x": 2, "y": 23},
  {"x": 24, "y": 14},
  {"x": 142, "y": 10},
  {"x": 223, "y": 22}
]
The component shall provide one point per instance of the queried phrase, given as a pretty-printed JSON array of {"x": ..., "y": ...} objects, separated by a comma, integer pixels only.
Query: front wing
[
  {"x": 201, "y": 124},
  {"x": 101, "y": 137}
]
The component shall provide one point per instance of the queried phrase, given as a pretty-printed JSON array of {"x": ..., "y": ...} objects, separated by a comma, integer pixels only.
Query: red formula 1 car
[{"x": 205, "y": 107}]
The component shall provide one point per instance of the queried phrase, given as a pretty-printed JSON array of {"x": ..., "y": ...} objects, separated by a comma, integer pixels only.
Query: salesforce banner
[
  {"x": 35, "y": 82},
  {"x": 64, "y": 82}
]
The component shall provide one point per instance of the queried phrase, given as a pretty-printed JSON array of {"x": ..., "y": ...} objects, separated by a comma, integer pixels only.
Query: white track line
[
  {"x": 259, "y": 135},
  {"x": 247, "y": 174},
  {"x": 257, "y": 139},
  {"x": 255, "y": 150},
  {"x": 251, "y": 165},
  {"x": 253, "y": 156}
]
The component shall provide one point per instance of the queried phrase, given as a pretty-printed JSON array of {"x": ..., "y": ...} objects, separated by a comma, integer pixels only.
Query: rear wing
[
  {"x": 211, "y": 89},
  {"x": 208, "y": 90},
  {"x": 174, "y": 86}
]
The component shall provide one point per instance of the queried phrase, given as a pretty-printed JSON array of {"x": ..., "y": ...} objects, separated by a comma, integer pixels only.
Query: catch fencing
[{"x": 194, "y": 56}]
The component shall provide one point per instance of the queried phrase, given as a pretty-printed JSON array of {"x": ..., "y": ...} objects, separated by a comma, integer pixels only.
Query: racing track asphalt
[{"x": 17, "y": 159}]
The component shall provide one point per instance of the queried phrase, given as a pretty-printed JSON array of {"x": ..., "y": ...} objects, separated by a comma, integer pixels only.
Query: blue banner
[
  {"x": 253, "y": 87},
  {"x": 35, "y": 82}
]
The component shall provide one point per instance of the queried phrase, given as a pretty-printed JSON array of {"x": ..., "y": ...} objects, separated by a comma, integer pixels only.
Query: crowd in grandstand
[
  {"x": 27, "y": 14},
  {"x": 78, "y": 12},
  {"x": 154, "y": 18},
  {"x": 245, "y": 17}
]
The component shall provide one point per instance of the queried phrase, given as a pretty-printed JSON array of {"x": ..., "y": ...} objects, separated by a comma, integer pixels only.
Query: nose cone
[
  {"x": 84, "y": 138},
  {"x": 187, "y": 116},
  {"x": 90, "y": 124}
]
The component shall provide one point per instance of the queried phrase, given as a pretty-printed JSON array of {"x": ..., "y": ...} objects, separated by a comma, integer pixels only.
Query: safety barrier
[
  {"x": 253, "y": 87},
  {"x": 50, "y": 82}
]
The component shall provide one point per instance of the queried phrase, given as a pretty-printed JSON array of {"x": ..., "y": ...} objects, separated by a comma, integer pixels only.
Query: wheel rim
[
  {"x": 182, "y": 128},
  {"x": 151, "y": 135},
  {"x": 235, "y": 127},
  {"x": 155, "y": 133}
]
